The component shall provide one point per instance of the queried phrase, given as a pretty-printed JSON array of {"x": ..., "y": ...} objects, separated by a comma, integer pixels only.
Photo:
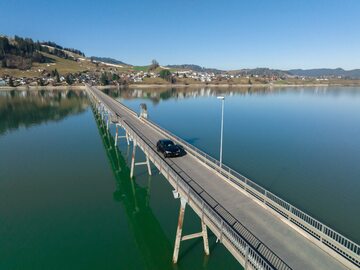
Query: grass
[
  {"x": 141, "y": 68},
  {"x": 62, "y": 65},
  {"x": 154, "y": 81}
]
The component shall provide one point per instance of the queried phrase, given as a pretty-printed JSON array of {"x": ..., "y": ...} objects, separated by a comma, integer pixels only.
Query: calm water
[{"x": 67, "y": 201}]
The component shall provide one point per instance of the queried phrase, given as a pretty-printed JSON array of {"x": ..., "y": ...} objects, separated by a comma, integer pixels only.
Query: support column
[
  {"x": 116, "y": 135},
  {"x": 205, "y": 237},
  {"x": 179, "y": 230},
  {"x": 179, "y": 236},
  {"x": 133, "y": 160},
  {"x": 148, "y": 164},
  {"x": 127, "y": 137},
  {"x": 246, "y": 258},
  {"x": 133, "y": 163}
]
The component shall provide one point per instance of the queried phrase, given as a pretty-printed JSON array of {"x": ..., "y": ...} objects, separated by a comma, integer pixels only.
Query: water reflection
[
  {"x": 149, "y": 236},
  {"x": 163, "y": 93},
  {"x": 28, "y": 108}
]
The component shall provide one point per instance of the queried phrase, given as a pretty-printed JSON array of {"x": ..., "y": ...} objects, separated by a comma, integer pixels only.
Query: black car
[{"x": 169, "y": 148}]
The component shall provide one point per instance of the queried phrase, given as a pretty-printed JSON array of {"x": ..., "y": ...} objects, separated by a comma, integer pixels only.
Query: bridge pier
[
  {"x": 179, "y": 236},
  {"x": 117, "y": 137},
  {"x": 133, "y": 163}
]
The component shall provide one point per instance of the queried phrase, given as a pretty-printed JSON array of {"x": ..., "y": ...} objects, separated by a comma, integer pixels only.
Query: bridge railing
[{"x": 324, "y": 234}]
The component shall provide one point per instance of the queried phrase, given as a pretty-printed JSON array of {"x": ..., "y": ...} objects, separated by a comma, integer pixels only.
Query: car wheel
[{"x": 165, "y": 155}]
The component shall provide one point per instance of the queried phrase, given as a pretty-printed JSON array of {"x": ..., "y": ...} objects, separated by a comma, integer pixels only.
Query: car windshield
[{"x": 168, "y": 143}]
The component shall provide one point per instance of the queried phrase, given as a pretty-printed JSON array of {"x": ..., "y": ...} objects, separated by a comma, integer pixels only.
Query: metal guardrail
[{"x": 324, "y": 234}]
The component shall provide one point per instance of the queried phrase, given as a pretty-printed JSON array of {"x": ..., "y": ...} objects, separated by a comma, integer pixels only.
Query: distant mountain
[
  {"x": 109, "y": 60},
  {"x": 194, "y": 68},
  {"x": 355, "y": 73},
  {"x": 260, "y": 72}
]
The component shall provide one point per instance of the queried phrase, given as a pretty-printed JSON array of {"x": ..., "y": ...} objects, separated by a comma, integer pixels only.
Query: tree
[
  {"x": 11, "y": 82},
  {"x": 57, "y": 77},
  {"x": 115, "y": 77},
  {"x": 154, "y": 65},
  {"x": 104, "y": 79},
  {"x": 166, "y": 75},
  {"x": 69, "y": 79}
]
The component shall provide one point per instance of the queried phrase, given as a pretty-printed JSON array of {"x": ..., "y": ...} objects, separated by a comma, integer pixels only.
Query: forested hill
[
  {"x": 20, "y": 52},
  {"x": 194, "y": 68},
  {"x": 108, "y": 60},
  {"x": 355, "y": 73}
]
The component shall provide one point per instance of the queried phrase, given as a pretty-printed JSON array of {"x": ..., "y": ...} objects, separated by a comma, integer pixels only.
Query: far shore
[{"x": 132, "y": 86}]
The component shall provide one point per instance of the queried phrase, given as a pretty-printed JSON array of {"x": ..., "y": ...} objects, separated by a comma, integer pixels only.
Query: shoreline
[{"x": 132, "y": 86}]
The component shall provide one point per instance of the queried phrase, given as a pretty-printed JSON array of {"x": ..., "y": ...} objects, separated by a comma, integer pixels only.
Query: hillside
[
  {"x": 326, "y": 72},
  {"x": 260, "y": 72},
  {"x": 108, "y": 60},
  {"x": 22, "y": 53},
  {"x": 23, "y": 57},
  {"x": 194, "y": 68}
]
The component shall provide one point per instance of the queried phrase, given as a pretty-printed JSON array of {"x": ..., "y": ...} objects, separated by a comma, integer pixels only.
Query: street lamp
[{"x": 222, "y": 126}]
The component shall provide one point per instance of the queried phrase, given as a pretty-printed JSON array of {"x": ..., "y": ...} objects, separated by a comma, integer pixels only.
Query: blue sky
[{"x": 223, "y": 34}]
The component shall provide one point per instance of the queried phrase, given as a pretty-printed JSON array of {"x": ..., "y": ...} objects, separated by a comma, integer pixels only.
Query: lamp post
[{"x": 222, "y": 126}]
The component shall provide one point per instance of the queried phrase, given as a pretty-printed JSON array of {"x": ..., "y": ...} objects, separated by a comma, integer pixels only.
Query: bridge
[{"x": 259, "y": 229}]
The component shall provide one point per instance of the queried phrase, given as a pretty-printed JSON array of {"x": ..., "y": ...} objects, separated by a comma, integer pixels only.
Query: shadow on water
[
  {"x": 148, "y": 234},
  {"x": 27, "y": 108}
]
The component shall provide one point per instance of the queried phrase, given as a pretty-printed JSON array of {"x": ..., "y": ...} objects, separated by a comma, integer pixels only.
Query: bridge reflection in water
[{"x": 151, "y": 240}]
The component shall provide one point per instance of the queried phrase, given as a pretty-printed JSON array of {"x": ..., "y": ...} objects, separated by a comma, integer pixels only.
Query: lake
[{"x": 67, "y": 201}]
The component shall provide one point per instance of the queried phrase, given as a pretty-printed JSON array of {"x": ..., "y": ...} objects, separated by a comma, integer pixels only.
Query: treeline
[
  {"x": 53, "y": 44},
  {"x": 22, "y": 52}
]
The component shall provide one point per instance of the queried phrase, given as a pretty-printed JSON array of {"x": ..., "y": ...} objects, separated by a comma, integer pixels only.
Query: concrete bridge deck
[{"x": 270, "y": 234}]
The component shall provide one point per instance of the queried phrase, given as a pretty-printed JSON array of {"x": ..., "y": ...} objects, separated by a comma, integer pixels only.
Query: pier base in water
[{"x": 179, "y": 236}]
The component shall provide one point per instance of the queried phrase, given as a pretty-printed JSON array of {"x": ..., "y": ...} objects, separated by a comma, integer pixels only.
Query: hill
[
  {"x": 326, "y": 72},
  {"x": 22, "y": 53},
  {"x": 194, "y": 68},
  {"x": 260, "y": 72},
  {"x": 23, "y": 57},
  {"x": 108, "y": 60}
]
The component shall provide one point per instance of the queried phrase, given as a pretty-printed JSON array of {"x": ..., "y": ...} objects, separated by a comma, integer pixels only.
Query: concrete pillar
[
  {"x": 133, "y": 160},
  {"x": 179, "y": 230},
  {"x": 127, "y": 138},
  {"x": 148, "y": 164},
  {"x": 205, "y": 237},
  {"x": 246, "y": 267},
  {"x": 116, "y": 135}
]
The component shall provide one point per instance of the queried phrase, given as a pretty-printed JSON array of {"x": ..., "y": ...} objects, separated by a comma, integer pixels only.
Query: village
[
  {"x": 102, "y": 77},
  {"x": 112, "y": 76}
]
